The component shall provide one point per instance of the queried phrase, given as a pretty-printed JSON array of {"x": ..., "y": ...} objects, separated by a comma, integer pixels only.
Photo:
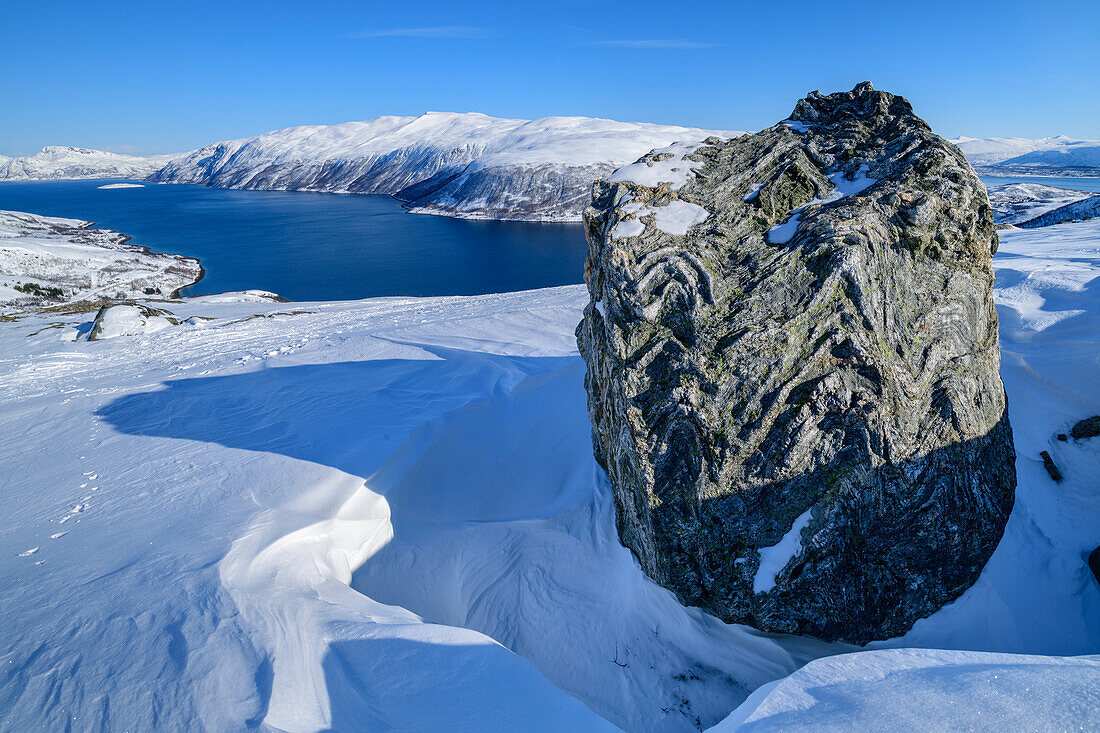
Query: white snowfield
[
  {"x": 467, "y": 165},
  {"x": 82, "y": 262},
  {"x": 385, "y": 514},
  {"x": 61, "y": 162}
]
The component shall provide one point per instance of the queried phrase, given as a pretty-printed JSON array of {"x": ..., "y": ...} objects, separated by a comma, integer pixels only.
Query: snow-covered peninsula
[
  {"x": 465, "y": 165},
  {"x": 48, "y": 260}
]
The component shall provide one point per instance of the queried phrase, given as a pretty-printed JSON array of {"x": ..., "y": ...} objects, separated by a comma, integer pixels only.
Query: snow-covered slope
[
  {"x": 57, "y": 162},
  {"x": 1048, "y": 155},
  {"x": 1014, "y": 203},
  {"x": 927, "y": 690},
  {"x": 385, "y": 514},
  {"x": 47, "y": 259},
  {"x": 467, "y": 165}
]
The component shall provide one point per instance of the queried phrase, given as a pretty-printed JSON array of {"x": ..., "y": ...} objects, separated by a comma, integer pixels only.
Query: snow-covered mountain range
[
  {"x": 61, "y": 162},
  {"x": 466, "y": 165},
  {"x": 1022, "y": 156}
]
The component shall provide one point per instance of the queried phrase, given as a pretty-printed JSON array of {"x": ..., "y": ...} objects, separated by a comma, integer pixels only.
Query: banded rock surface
[{"x": 793, "y": 369}]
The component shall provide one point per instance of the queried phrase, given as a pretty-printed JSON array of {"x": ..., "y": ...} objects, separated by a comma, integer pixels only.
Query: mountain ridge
[{"x": 466, "y": 165}]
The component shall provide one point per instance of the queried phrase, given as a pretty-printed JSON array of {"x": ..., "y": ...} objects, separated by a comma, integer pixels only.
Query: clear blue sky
[{"x": 150, "y": 77}]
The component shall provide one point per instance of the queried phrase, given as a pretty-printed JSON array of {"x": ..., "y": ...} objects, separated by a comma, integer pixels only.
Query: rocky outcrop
[
  {"x": 1087, "y": 428},
  {"x": 793, "y": 369}
]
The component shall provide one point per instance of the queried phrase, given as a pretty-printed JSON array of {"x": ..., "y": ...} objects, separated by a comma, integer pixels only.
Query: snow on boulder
[
  {"x": 794, "y": 379},
  {"x": 129, "y": 319}
]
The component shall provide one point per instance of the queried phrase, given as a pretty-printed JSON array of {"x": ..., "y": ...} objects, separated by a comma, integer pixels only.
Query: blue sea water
[
  {"x": 320, "y": 246},
  {"x": 316, "y": 246}
]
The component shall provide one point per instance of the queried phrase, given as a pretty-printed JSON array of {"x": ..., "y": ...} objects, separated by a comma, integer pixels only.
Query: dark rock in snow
[
  {"x": 1051, "y": 467},
  {"x": 793, "y": 369},
  {"x": 1087, "y": 428},
  {"x": 1094, "y": 564}
]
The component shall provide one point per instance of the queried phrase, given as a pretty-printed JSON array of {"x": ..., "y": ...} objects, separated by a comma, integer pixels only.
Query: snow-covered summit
[
  {"x": 457, "y": 164},
  {"x": 59, "y": 162}
]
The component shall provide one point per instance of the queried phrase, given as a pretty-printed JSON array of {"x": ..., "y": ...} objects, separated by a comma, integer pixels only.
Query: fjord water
[
  {"x": 316, "y": 246},
  {"x": 1091, "y": 185}
]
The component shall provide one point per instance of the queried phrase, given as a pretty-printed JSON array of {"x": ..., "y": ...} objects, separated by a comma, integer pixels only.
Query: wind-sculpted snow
[
  {"x": 385, "y": 514},
  {"x": 464, "y": 165},
  {"x": 50, "y": 260},
  {"x": 58, "y": 162},
  {"x": 932, "y": 690}
]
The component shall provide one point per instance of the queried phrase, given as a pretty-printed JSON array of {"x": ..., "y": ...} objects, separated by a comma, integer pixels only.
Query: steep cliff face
[{"x": 793, "y": 369}]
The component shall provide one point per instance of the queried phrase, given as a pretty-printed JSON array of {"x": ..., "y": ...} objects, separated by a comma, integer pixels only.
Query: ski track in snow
[{"x": 385, "y": 513}]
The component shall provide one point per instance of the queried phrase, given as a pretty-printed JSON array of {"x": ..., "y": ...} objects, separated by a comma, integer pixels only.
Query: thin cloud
[
  {"x": 435, "y": 31},
  {"x": 657, "y": 43}
]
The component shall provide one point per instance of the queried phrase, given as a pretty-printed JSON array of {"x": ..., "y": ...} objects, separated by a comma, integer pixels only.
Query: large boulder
[{"x": 793, "y": 369}]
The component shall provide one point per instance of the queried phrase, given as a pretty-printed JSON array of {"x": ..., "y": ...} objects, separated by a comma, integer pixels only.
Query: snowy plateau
[{"x": 385, "y": 514}]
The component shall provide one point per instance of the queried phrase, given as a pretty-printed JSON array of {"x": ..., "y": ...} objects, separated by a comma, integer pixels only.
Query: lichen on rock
[{"x": 819, "y": 337}]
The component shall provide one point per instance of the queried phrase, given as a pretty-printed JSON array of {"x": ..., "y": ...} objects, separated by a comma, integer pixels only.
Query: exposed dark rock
[
  {"x": 1087, "y": 428},
  {"x": 1051, "y": 467},
  {"x": 1094, "y": 563},
  {"x": 778, "y": 372},
  {"x": 1063, "y": 437}
]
